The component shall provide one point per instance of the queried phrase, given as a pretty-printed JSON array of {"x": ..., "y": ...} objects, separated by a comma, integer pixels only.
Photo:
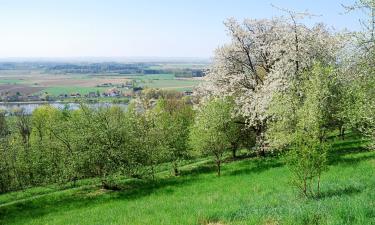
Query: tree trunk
[
  {"x": 218, "y": 163},
  {"x": 260, "y": 142},
  {"x": 175, "y": 169},
  {"x": 153, "y": 172},
  {"x": 234, "y": 151},
  {"x": 305, "y": 187},
  {"x": 342, "y": 132},
  {"x": 318, "y": 185}
]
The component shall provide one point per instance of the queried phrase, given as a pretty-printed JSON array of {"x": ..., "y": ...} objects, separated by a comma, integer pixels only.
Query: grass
[
  {"x": 250, "y": 191},
  {"x": 171, "y": 84},
  {"x": 167, "y": 81},
  {"x": 167, "y": 76},
  {"x": 164, "y": 81},
  {"x": 70, "y": 89},
  {"x": 11, "y": 81}
]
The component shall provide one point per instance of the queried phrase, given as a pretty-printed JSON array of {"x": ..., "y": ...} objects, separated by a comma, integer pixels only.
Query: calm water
[{"x": 30, "y": 107}]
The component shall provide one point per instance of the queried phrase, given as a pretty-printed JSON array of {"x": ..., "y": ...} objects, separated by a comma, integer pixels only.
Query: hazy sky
[{"x": 114, "y": 28}]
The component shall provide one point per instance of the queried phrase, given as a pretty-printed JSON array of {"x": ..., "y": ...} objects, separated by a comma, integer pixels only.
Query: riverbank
[{"x": 29, "y": 107}]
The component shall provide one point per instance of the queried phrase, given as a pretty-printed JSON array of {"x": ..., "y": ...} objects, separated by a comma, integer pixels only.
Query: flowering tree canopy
[{"x": 265, "y": 56}]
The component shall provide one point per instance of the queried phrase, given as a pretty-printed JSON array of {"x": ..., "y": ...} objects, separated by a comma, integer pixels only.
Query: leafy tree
[
  {"x": 4, "y": 129},
  {"x": 6, "y": 179},
  {"x": 104, "y": 133},
  {"x": 211, "y": 133},
  {"x": 307, "y": 159},
  {"x": 358, "y": 73},
  {"x": 300, "y": 124},
  {"x": 263, "y": 57},
  {"x": 173, "y": 117}
]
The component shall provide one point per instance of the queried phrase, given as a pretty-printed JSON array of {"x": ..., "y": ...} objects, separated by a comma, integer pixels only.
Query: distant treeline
[{"x": 96, "y": 68}]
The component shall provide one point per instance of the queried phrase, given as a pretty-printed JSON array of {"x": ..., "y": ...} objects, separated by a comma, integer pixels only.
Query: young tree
[
  {"x": 6, "y": 178},
  {"x": 174, "y": 116},
  {"x": 359, "y": 74},
  {"x": 211, "y": 131},
  {"x": 300, "y": 122},
  {"x": 103, "y": 144}
]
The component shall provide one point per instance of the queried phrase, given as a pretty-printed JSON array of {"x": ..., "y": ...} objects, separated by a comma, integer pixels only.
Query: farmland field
[
  {"x": 17, "y": 88},
  {"x": 55, "y": 84}
]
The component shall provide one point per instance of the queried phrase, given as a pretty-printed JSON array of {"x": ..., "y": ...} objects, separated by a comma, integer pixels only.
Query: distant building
[
  {"x": 113, "y": 92},
  {"x": 33, "y": 98},
  {"x": 75, "y": 95},
  {"x": 137, "y": 89},
  {"x": 188, "y": 93},
  {"x": 92, "y": 95}
]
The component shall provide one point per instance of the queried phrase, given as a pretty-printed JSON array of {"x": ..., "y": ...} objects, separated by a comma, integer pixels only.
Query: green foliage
[
  {"x": 250, "y": 191},
  {"x": 307, "y": 159},
  {"x": 214, "y": 129},
  {"x": 173, "y": 118},
  {"x": 301, "y": 124},
  {"x": 359, "y": 98}
]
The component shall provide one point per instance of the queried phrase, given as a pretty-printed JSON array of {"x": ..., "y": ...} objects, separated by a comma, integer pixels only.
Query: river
[{"x": 29, "y": 107}]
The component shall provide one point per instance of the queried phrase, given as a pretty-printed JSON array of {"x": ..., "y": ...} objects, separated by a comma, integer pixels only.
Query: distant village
[
  {"x": 127, "y": 90},
  {"x": 119, "y": 90}
]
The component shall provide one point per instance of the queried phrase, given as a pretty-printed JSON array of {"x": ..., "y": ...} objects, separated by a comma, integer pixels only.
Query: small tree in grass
[
  {"x": 173, "y": 118},
  {"x": 210, "y": 134},
  {"x": 307, "y": 160},
  {"x": 300, "y": 124}
]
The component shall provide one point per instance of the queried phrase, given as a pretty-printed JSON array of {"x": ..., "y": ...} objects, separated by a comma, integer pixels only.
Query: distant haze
[
  {"x": 139, "y": 28},
  {"x": 109, "y": 59}
]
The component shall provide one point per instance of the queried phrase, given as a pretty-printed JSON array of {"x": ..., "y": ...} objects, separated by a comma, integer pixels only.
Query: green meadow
[
  {"x": 251, "y": 190},
  {"x": 71, "y": 90}
]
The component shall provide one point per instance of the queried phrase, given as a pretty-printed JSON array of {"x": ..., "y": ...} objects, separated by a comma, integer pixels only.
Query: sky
[{"x": 139, "y": 28}]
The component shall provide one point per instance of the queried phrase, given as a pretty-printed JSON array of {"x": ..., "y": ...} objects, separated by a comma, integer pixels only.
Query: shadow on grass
[
  {"x": 341, "y": 150},
  {"x": 65, "y": 201},
  {"x": 257, "y": 166},
  {"x": 91, "y": 195},
  {"x": 347, "y": 191},
  {"x": 202, "y": 169}
]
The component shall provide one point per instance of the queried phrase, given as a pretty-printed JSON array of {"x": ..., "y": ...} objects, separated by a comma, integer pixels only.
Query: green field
[
  {"x": 171, "y": 84},
  {"x": 167, "y": 81},
  {"x": 250, "y": 191},
  {"x": 11, "y": 81},
  {"x": 70, "y": 90},
  {"x": 85, "y": 83},
  {"x": 151, "y": 76}
]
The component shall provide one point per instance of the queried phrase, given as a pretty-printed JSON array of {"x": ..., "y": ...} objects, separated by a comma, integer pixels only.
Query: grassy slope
[{"x": 251, "y": 191}]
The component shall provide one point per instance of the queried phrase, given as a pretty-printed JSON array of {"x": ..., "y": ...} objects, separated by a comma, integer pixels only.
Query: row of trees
[
  {"x": 294, "y": 84},
  {"x": 279, "y": 85},
  {"x": 61, "y": 145}
]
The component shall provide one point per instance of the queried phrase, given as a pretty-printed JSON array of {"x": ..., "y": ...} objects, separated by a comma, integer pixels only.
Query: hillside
[{"x": 250, "y": 191}]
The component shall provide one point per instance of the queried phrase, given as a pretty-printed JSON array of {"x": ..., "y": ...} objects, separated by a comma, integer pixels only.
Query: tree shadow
[
  {"x": 350, "y": 161},
  {"x": 257, "y": 166},
  {"x": 347, "y": 191},
  {"x": 84, "y": 197},
  {"x": 201, "y": 169},
  {"x": 340, "y": 150}
]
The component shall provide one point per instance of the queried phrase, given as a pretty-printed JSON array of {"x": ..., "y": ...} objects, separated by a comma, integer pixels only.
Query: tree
[
  {"x": 105, "y": 151},
  {"x": 209, "y": 133},
  {"x": 146, "y": 138},
  {"x": 300, "y": 123},
  {"x": 366, "y": 38},
  {"x": 6, "y": 178},
  {"x": 264, "y": 56},
  {"x": 174, "y": 116},
  {"x": 4, "y": 129},
  {"x": 307, "y": 159},
  {"x": 358, "y": 74}
]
